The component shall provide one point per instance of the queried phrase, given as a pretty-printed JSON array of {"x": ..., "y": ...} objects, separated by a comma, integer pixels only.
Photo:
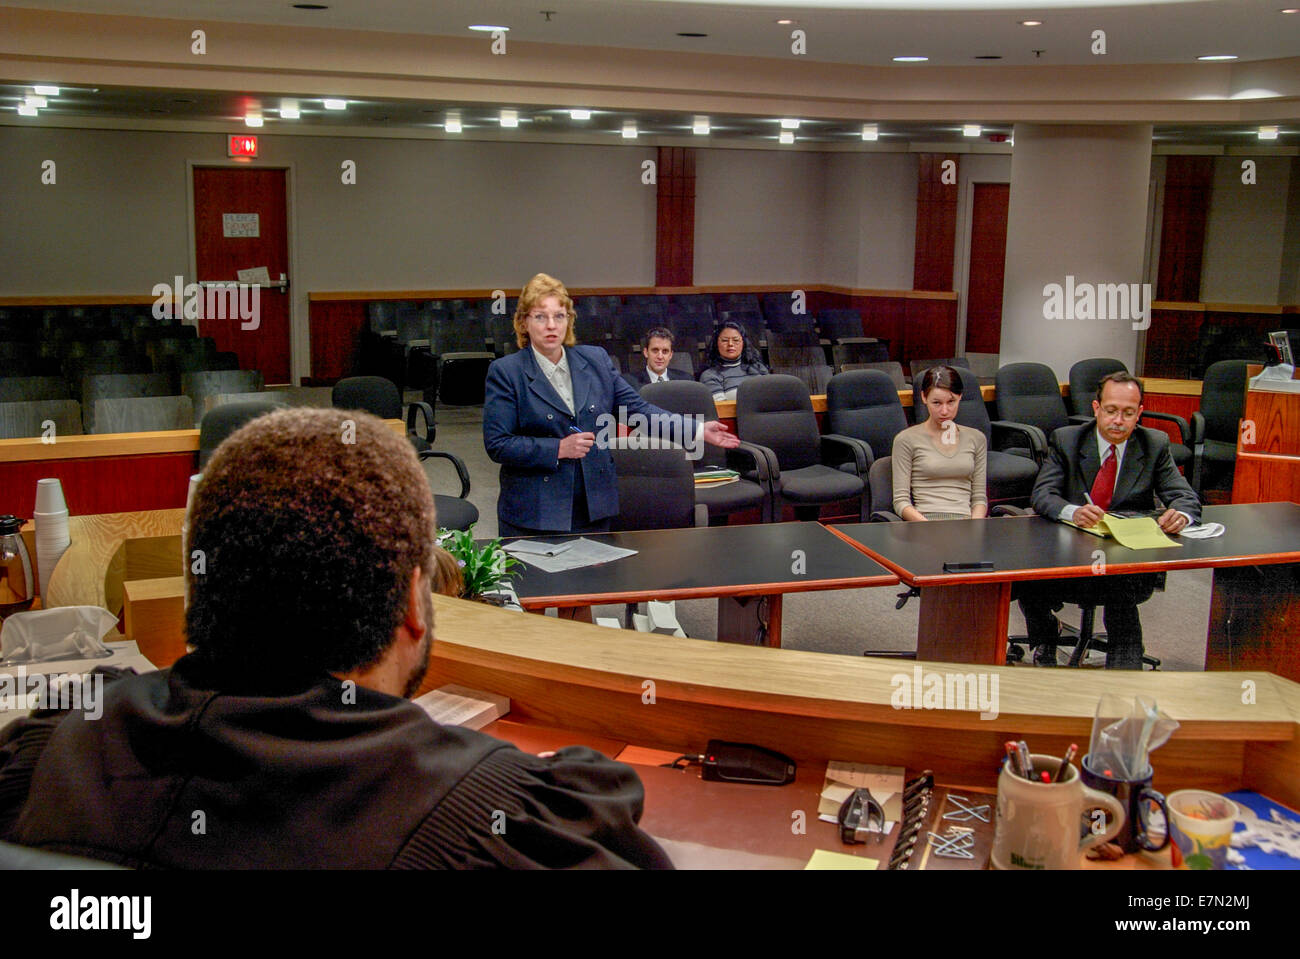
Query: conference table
[
  {"x": 1256, "y": 565},
  {"x": 747, "y": 568}
]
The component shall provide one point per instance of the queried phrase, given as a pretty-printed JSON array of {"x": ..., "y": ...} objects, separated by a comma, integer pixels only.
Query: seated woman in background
[
  {"x": 939, "y": 465},
  {"x": 732, "y": 357}
]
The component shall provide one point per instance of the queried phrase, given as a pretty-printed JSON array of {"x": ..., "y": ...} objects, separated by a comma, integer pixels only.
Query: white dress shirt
[{"x": 558, "y": 375}]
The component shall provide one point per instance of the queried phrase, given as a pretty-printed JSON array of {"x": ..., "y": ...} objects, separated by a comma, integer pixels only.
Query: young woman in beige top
[{"x": 939, "y": 466}]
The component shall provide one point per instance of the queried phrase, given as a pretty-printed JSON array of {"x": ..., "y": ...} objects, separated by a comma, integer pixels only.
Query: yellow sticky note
[{"x": 823, "y": 859}]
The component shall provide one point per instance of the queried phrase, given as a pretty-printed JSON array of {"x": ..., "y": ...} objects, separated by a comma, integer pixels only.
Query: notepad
[
  {"x": 453, "y": 705},
  {"x": 717, "y": 477},
  {"x": 824, "y": 859},
  {"x": 1140, "y": 532},
  {"x": 535, "y": 548}
]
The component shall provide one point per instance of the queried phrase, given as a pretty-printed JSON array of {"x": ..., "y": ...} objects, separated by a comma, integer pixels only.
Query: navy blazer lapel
[
  {"x": 581, "y": 373},
  {"x": 540, "y": 386},
  {"x": 1130, "y": 467}
]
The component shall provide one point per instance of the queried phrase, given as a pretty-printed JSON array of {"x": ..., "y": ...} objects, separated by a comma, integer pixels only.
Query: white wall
[
  {"x": 758, "y": 216},
  {"x": 1244, "y": 230}
]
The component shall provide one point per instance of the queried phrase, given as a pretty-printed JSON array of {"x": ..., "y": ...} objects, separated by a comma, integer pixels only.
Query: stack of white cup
[{"x": 52, "y": 537}]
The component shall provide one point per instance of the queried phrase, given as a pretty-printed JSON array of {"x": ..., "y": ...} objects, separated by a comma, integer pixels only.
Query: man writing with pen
[{"x": 1108, "y": 465}]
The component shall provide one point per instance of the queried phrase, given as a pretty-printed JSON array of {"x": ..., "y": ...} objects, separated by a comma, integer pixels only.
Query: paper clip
[{"x": 964, "y": 811}]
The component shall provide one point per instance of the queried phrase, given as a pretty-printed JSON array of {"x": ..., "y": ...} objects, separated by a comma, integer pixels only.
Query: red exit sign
[{"x": 241, "y": 145}]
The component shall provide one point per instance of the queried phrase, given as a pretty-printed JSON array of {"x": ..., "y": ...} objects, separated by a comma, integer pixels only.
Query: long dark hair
[{"x": 749, "y": 355}]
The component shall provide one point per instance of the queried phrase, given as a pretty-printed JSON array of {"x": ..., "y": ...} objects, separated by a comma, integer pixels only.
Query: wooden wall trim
[
  {"x": 936, "y": 223},
  {"x": 675, "y": 217},
  {"x": 327, "y": 296},
  {"x": 94, "y": 299}
]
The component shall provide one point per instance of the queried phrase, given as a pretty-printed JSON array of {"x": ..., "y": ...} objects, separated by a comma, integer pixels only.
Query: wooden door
[
  {"x": 988, "y": 260},
  {"x": 240, "y": 223}
]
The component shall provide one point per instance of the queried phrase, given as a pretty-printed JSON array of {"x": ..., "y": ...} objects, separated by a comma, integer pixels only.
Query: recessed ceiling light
[
  {"x": 692, "y": 34},
  {"x": 1290, "y": 10},
  {"x": 910, "y": 59},
  {"x": 252, "y": 121},
  {"x": 701, "y": 126},
  {"x": 26, "y": 111},
  {"x": 310, "y": 6},
  {"x": 988, "y": 56},
  {"x": 335, "y": 104},
  {"x": 452, "y": 123},
  {"x": 510, "y": 118},
  {"x": 46, "y": 91},
  {"x": 870, "y": 131},
  {"x": 789, "y": 124},
  {"x": 579, "y": 114},
  {"x": 1218, "y": 56},
  {"x": 786, "y": 137},
  {"x": 1031, "y": 23},
  {"x": 629, "y": 129},
  {"x": 970, "y": 130},
  {"x": 1268, "y": 133},
  {"x": 32, "y": 100},
  {"x": 487, "y": 28},
  {"x": 787, "y": 22},
  {"x": 289, "y": 110}
]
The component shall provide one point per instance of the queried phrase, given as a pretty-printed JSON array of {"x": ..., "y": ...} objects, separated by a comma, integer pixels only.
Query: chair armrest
[
  {"x": 1198, "y": 429},
  {"x": 1004, "y": 430},
  {"x": 701, "y": 515},
  {"x": 427, "y": 410},
  {"x": 885, "y": 516},
  {"x": 752, "y": 458},
  {"x": 1010, "y": 511},
  {"x": 456, "y": 461},
  {"x": 1198, "y": 451},
  {"x": 1184, "y": 430},
  {"x": 841, "y": 449},
  {"x": 1079, "y": 419}
]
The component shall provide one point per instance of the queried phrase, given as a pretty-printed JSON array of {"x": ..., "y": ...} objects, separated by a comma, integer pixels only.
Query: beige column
[{"x": 1076, "y": 231}]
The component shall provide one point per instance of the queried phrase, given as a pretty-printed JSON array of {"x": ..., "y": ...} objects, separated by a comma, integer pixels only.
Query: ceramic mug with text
[{"x": 1039, "y": 824}]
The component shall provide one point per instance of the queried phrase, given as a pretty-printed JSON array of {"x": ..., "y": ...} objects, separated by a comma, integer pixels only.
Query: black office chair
[
  {"x": 223, "y": 420},
  {"x": 1223, "y": 400},
  {"x": 1029, "y": 393},
  {"x": 1010, "y": 477},
  {"x": 776, "y": 411},
  {"x": 864, "y": 404},
  {"x": 379, "y": 397},
  {"x": 1084, "y": 377},
  {"x": 656, "y": 486},
  {"x": 753, "y": 489}
]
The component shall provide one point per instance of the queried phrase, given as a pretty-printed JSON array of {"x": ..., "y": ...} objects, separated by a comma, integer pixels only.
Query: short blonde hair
[{"x": 535, "y": 290}]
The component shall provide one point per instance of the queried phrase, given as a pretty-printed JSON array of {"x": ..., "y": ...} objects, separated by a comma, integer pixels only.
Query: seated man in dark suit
[
  {"x": 286, "y": 739},
  {"x": 1112, "y": 464},
  {"x": 657, "y": 345}
]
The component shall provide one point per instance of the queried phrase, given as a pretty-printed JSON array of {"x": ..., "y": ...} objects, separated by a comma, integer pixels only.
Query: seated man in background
[
  {"x": 1111, "y": 464},
  {"x": 285, "y": 739},
  {"x": 657, "y": 345}
]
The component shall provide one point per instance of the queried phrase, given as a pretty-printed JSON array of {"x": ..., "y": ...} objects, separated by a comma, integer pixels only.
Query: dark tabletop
[
  {"x": 1032, "y": 547},
  {"x": 748, "y": 560}
]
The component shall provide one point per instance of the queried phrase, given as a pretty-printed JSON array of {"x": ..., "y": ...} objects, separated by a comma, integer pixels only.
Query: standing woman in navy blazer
[{"x": 542, "y": 409}]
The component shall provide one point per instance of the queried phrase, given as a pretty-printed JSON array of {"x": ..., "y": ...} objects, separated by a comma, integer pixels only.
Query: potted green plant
[{"x": 480, "y": 572}]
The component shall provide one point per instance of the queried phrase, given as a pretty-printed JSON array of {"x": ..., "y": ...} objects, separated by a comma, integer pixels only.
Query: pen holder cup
[
  {"x": 1043, "y": 825},
  {"x": 1138, "y": 799},
  {"x": 1201, "y": 825}
]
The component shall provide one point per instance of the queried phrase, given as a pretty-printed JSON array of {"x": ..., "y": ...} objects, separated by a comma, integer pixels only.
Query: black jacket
[
  {"x": 1147, "y": 471},
  {"x": 188, "y": 769}
]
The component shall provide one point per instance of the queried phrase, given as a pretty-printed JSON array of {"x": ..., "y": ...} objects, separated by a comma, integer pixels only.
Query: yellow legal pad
[
  {"x": 822, "y": 859},
  {"x": 1140, "y": 532}
]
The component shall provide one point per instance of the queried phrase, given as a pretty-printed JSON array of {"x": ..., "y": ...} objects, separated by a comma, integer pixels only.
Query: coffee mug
[
  {"x": 1201, "y": 825},
  {"x": 1039, "y": 823},
  {"x": 1137, "y": 797}
]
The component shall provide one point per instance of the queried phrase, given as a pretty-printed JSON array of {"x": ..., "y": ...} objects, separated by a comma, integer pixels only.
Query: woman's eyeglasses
[{"x": 543, "y": 317}]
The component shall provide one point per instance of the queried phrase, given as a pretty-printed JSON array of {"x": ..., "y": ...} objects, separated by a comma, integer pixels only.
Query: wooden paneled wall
[
  {"x": 675, "y": 221},
  {"x": 1188, "y": 182},
  {"x": 936, "y": 223}
]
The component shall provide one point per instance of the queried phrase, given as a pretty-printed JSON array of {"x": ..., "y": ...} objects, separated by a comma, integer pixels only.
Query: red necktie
[{"x": 1103, "y": 487}]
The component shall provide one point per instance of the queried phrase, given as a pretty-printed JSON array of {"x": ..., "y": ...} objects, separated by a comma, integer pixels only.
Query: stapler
[{"x": 861, "y": 816}]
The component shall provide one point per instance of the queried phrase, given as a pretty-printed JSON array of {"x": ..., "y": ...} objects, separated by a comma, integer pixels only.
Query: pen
[
  {"x": 1013, "y": 758},
  {"x": 1069, "y": 755},
  {"x": 574, "y": 429},
  {"x": 1026, "y": 764}
]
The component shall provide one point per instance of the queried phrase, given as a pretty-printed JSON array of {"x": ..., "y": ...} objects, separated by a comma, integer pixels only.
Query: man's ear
[{"x": 414, "y": 622}]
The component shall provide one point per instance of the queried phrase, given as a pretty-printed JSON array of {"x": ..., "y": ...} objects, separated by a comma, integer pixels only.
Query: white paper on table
[
  {"x": 581, "y": 554},
  {"x": 532, "y": 547}
]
